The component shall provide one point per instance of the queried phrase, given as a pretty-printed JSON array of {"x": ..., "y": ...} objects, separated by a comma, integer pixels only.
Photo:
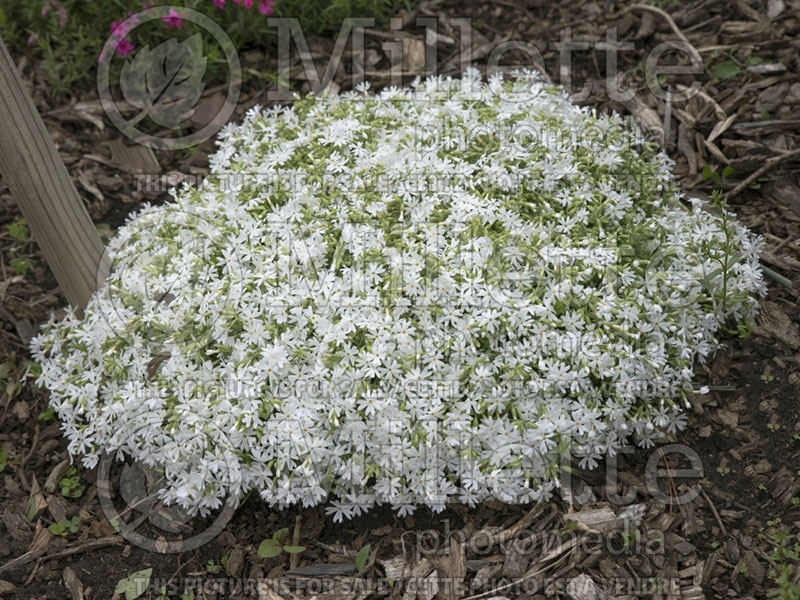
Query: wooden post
[{"x": 32, "y": 168}]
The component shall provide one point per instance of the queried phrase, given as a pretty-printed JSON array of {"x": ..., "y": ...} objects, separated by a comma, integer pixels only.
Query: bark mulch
[{"x": 624, "y": 537}]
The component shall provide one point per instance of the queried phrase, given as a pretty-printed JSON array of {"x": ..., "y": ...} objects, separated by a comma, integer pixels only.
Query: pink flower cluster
[
  {"x": 174, "y": 19},
  {"x": 57, "y": 10},
  {"x": 120, "y": 29},
  {"x": 265, "y": 7}
]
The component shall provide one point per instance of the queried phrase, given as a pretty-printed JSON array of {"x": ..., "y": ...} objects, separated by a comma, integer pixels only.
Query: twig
[
  {"x": 109, "y": 540},
  {"x": 294, "y": 558},
  {"x": 668, "y": 117},
  {"x": 672, "y": 487},
  {"x": 20, "y": 468},
  {"x": 24, "y": 559},
  {"x": 531, "y": 574},
  {"x": 782, "y": 244},
  {"x": 714, "y": 511},
  {"x": 512, "y": 531},
  {"x": 776, "y": 277},
  {"x": 772, "y": 162},
  {"x": 37, "y": 432},
  {"x": 516, "y": 6},
  {"x": 662, "y": 14},
  {"x": 34, "y": 571}
]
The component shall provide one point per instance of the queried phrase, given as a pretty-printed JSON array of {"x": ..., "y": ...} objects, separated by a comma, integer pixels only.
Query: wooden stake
[{"x": 32, "y": 168}]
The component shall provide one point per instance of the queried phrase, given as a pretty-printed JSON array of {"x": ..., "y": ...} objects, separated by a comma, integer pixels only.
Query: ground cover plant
[
  {"x": 79, "y": 29},
  {"x": 418, "y": 297}
]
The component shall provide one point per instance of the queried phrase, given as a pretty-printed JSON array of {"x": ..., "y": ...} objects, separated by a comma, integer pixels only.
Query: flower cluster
[
  {"x": 57, "y": 10},
  {"x": 415, "y": 297},
  {"x": 172, "y": 20}
]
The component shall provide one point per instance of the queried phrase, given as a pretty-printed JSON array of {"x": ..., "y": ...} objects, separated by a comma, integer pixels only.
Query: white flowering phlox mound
[{"x": 411, "y": 298}]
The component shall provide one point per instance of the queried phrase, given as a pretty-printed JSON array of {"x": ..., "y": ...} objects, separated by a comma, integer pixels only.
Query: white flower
[{"x": 415, "y": 305}]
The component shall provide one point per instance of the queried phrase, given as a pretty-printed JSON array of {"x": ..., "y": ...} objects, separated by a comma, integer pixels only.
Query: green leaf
[
  {"x": 188, "y": 595},
  {"x": 18, "y": 229},
  {"x": 31, "y": 508},
  {"x": 362, "y": 556},
  {"x": 728, "y": 171},
  {"x": 276, "y": 537},
  {"x": 268, "y": 549},
  {"x": 134, "y": 585},
  {"x": 57, "y": 528},
  {"x": 3, "y": 460},
  {"x": 294, "y": 549},
  {"x": 726, "y": 70},
  {"x": 20, "y": 265},
  {"x": 47, "y": 415}
]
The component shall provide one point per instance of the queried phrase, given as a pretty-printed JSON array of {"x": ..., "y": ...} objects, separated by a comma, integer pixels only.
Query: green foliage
[
  {"x": 19, "y": 252},
  {"x": 10, "y": 383},
  {"x": 272, "y": 547},
  {"x": 784, "y": 557},
  {"x": 3, "y": 460},
  {"x": 726, "y": 70},
  {"x": 70, "y": 484},
  {"x": 362, "y": 556},
  {"x": 718, "y": 178},
  {"x": 18, "y": 230},
  {"x": 63, "y": 528},
  {"x": 82, "y": 30},
  {"x": 212, "y": 567},
  {"x": 134, "y": 585}
]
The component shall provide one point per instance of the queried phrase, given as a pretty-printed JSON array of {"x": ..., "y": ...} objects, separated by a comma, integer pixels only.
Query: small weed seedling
[
  {"x": 64, "y": 528},
  {"x": 271, "y": 547},
  {"x": 70, "y": 484}
]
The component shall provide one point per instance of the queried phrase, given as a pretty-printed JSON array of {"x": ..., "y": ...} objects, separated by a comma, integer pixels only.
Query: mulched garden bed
[{"x": 738, "y": 134}]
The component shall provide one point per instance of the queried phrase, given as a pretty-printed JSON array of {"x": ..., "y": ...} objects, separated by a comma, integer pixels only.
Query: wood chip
[
  {"x": 453, "y": 569},
  {"x": 721, "y": 127},
  {"x": 583, "y": 587},
  {"x": 773, "y": 322},
  {"x": 37, "y": 503},
  {"x": 73, "y": 584},
  {"x": 55, "y": 476},
  {"x": 6, "y": 587},
  {"x": 18, "y": 526},
  {"x": 56, "y": 509},
  {"x": 323, "y": 570},
  {"x": 135, "y": 159},
  {"x": 516, "y": 564}
]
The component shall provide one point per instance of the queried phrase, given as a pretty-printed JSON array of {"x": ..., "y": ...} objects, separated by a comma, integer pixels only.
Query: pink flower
[
  {"x": 174, "y": 19},
  {"x": 219, "y": 3},
  {"x": 62, "y": 12},
  {"x": 247, "y": 3},
  {"x": 124, "y": 48},
  {"x": 119, "y": 29},
  {"x": 32, "y": 39},
  {"x": 265, "y": 7}
]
